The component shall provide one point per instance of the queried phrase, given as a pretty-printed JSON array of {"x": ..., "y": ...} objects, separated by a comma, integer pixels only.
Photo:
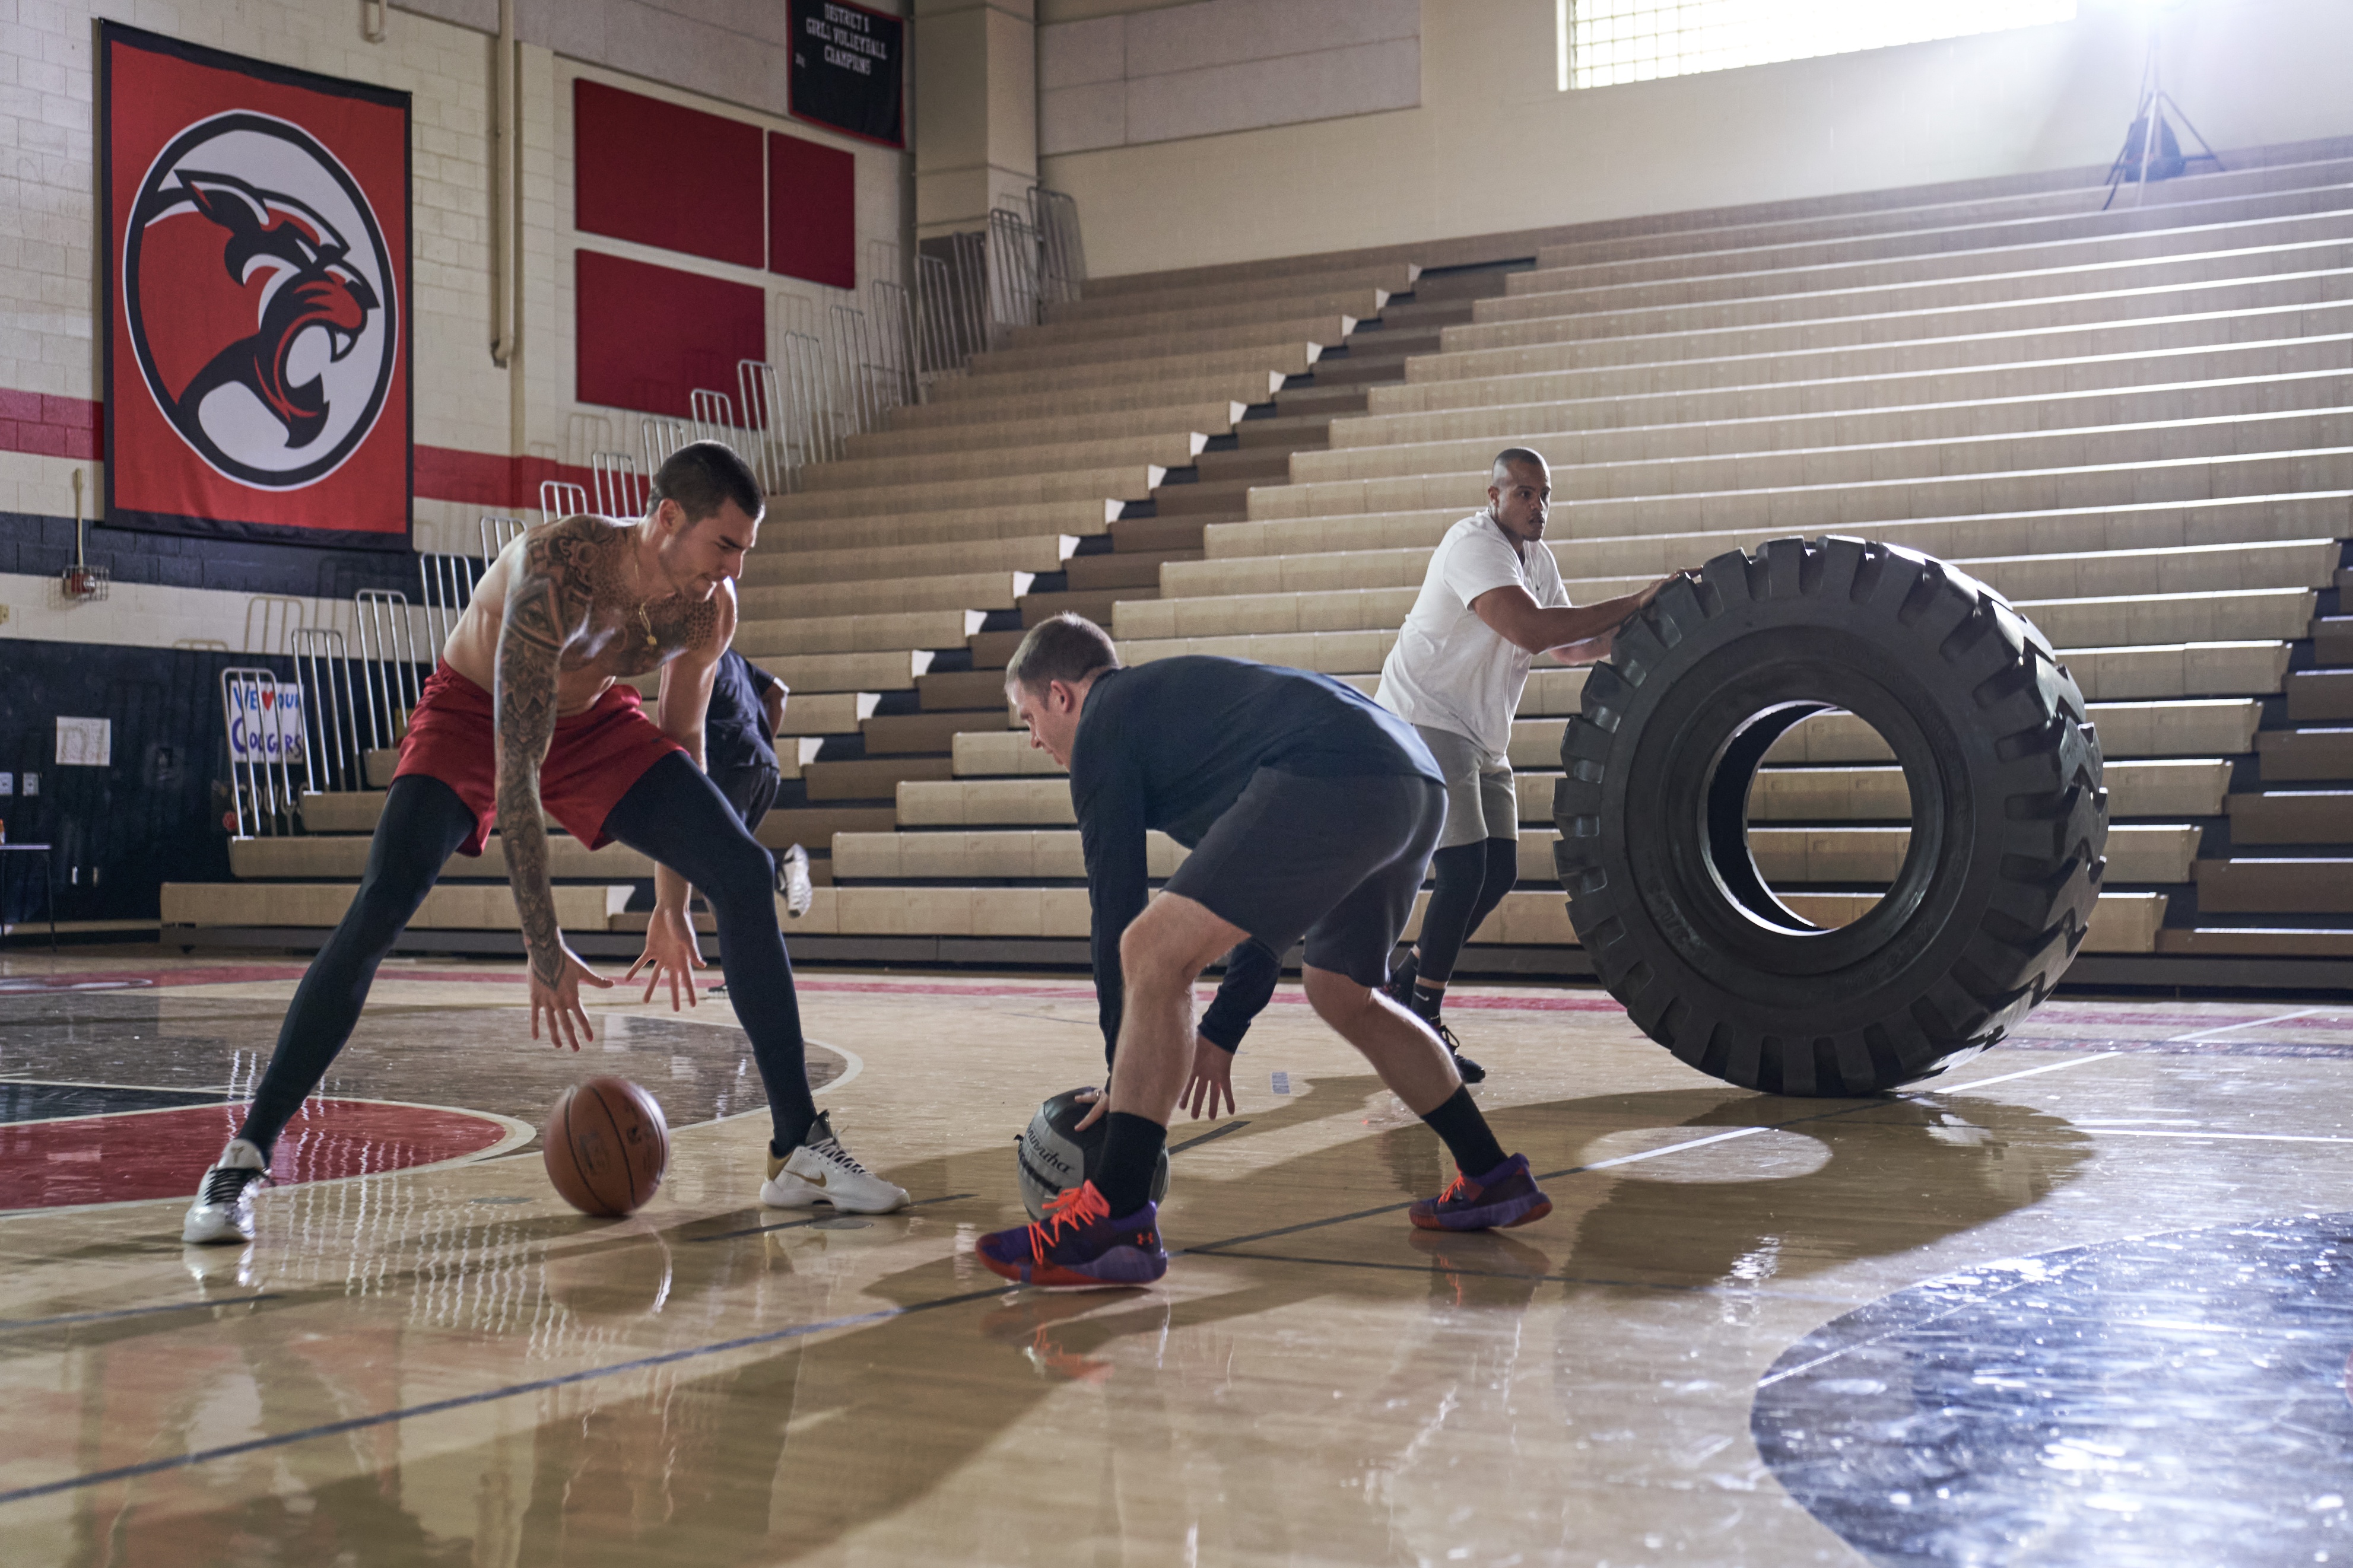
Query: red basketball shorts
[{"x": 595, "y": 755}]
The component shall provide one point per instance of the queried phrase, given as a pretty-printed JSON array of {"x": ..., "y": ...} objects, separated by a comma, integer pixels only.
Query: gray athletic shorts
[
  {"x": 1479, "y": 800},
  {"x": 1336, "y": 860}
]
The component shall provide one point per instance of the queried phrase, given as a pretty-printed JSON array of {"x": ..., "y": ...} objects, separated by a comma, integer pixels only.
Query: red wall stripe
[
  {"x": 51, "y": 426},
  {"x": 646, "y": 336},
  {"x": 812, "y": 211},
  {"x": 660, "y": 173}
]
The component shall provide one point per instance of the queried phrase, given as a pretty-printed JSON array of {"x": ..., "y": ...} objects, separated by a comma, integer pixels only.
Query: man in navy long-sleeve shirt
[{"x": 1310, "y": 811}]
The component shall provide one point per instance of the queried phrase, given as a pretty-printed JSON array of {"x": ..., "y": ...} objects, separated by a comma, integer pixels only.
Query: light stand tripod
[{"x": 2150, "y": 151}]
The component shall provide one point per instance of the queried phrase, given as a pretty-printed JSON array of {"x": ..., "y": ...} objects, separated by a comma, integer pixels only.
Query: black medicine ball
[{"x": 1052, "y": 1154}]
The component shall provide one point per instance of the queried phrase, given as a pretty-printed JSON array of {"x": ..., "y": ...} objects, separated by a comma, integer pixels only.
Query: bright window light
[{"x": 1600, "y": 42}]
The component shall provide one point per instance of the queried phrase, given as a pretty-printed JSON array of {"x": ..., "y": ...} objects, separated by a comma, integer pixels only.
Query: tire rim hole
[{"x": 1784, "y": 775}]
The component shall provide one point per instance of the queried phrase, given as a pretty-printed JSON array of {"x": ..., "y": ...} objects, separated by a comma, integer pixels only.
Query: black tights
[
  {"x": 673, "y": 813},
  {"x": 1472, "y": 880}
]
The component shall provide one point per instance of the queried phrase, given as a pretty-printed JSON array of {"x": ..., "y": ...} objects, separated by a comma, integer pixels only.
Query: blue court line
[
  {"x": 15, "y": 1325},
  {"x": 487, "y": 1396},
  {"x": 814, "y": 1219}
]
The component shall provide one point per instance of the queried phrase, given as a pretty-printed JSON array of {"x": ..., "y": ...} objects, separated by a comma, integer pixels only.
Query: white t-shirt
[{"x": 1450, "y": 670}]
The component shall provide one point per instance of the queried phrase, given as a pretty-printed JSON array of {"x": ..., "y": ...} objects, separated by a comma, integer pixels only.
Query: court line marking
[
  {"x": 857, "y": 1064},
  {"x": 820, "y": 1219},
  {"x": 18, "y": 1325},
  {"x": 1710, "y": 1289},
  {"x": 486, "y": 1396},
  {"x": 515, "y": 1133},
  {"x": 2249, "y": 1024},
  {"x": 2083, "y": 1060},
  {"x": 1234, "y": 1126},
  {"x": 800, "y": 1330},
  {"x": 1682, "y": 1146},
  {"x": 2242, "y": 1137}
]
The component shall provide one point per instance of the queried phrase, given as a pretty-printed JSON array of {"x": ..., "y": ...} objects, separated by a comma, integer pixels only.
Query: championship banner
[
  {"x": 258, "y": 341},
  {"x": 846, "y": 69}
]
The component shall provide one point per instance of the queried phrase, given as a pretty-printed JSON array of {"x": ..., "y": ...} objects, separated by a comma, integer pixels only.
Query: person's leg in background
[
  {"x": 1476, "y": 863},
  {"x": 676, "y": 816},
  {"x": 750, "y": 792}
]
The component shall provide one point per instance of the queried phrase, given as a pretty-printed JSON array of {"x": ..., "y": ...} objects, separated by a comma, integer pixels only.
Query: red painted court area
[{"x": 154, "y": 1154}]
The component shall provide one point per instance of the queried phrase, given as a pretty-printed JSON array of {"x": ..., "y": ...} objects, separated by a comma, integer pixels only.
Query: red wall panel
[
  {"x": 649, "y": 335},
  {"x": 812, "y": 211},
  {"x": 658, "y": 173}
]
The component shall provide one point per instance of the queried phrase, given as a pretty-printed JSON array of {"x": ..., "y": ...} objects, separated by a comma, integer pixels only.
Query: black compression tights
[
  {"x": 673, "y": 813},
  {"x": 1472, "y": 880}
]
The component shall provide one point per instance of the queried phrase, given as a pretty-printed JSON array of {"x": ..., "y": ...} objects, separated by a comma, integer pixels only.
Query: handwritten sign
[{"x": 265, "y": 723}]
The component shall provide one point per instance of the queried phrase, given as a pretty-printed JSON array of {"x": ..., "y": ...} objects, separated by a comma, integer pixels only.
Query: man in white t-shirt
[{"x": 1490, "y": 603}]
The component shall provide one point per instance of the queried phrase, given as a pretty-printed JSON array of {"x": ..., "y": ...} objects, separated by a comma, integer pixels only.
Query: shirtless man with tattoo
[{"x": 526, "y": 714}]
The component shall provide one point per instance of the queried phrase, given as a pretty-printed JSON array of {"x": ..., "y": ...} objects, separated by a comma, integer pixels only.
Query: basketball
[
  {"x": 1051, "y": 1154},
  {"x": 606, "y": 1144}
]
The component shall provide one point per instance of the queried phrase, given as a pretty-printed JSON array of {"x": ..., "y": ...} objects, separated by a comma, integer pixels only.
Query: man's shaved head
[
  {"x": 1519, "y": 494},
  {"x": 1501, "y": 474}
]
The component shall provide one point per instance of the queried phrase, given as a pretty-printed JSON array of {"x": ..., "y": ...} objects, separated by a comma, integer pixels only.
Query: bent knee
[
  {"x": 1334, "y": 997},
  {"x": 743, "y": 871}
]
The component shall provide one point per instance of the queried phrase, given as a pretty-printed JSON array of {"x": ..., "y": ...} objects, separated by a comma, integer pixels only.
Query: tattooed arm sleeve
[{"x": 547, "y": 602}]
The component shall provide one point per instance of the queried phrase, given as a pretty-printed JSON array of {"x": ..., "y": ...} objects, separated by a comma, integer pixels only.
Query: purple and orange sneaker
[
  {"x": 1503, "y": 1197},
  {"x": 1079, "y": 1246}
]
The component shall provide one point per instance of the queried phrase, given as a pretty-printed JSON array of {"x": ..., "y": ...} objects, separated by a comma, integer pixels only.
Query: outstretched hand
[
  {"x": 1642, "y": 600},
  {"x": 567, "y": 1021},
  {"x": 1212, "y": 1080},
  {"x": 671, "y": 953}
]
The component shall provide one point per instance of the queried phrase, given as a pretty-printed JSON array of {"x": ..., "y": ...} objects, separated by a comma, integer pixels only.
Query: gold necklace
[{"x": 636, "y": 586}]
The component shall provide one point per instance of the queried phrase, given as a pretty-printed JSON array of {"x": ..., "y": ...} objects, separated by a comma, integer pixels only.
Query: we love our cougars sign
[{"x": 259, "y": 341}]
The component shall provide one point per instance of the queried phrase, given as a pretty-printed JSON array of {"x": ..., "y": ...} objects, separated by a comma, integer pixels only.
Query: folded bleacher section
[{"x": 2136, "y": 419}]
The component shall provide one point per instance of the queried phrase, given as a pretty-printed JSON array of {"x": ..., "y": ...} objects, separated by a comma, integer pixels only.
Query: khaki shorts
[{"x": 1480, "y": 802}]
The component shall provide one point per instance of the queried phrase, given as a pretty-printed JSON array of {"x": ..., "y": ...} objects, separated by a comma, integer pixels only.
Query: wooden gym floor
[{"x": 2085, "y": 1302}]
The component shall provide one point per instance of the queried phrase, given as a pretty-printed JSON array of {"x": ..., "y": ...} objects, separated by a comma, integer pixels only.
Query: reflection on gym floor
[{"x": 2097, "y": 1273}]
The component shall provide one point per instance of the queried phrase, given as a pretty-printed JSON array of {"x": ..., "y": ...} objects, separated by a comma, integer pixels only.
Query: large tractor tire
[{"x": 2009, "y": 817}]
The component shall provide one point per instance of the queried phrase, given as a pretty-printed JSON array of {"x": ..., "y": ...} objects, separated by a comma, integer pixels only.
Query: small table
[{"x": 48, "y": 885}]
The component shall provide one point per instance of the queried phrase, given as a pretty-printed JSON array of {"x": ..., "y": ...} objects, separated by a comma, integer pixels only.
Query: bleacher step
[
  {"x": 2284, "y": 886},
  {"x": 2292, "y": 816},
  {"x": 1122, "y": 568},
  {"x": 921, "y": 734},
  {"x": 2306, "y": 756},
  {"x": 870, "y": 778},
  {"x": 960, "y": 690},
  {"x": 2319, "y": 696},
  {"x": 2256, "y": 941}
]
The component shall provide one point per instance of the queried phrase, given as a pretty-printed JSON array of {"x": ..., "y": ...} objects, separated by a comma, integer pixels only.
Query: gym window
[{"x": 1600, "y": 42}]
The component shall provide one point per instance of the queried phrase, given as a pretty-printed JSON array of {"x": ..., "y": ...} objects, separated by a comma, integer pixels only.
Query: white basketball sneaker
[
  {"x": 793, "y": 879},
  {"x": 821, "y": 1171},
  {"x": 223, "y": 1209}
]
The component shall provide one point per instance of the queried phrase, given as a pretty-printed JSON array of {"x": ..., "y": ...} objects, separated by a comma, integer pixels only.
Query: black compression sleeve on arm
[{"x": 1251, "y": 971}]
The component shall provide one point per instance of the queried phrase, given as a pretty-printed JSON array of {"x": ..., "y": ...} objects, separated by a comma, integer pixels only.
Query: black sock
[
  {"x": 1465, "y": 1131},
  {"x": 1427, "y": 1001},
  {"x": 1131, "y": 1147}
]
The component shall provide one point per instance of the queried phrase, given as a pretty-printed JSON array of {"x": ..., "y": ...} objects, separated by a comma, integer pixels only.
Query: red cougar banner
[{"x": 258, "y": 337}]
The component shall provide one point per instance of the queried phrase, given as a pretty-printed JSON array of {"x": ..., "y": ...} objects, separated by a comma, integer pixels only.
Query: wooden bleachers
[{"x": 2137, "y": 423}]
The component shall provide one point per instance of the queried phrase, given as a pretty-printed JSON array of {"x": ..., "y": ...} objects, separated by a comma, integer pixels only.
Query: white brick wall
[{"x": 49, "y": 180}]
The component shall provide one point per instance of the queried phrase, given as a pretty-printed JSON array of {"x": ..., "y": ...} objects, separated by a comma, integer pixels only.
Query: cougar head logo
[{"x": 259, "y": 300}]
